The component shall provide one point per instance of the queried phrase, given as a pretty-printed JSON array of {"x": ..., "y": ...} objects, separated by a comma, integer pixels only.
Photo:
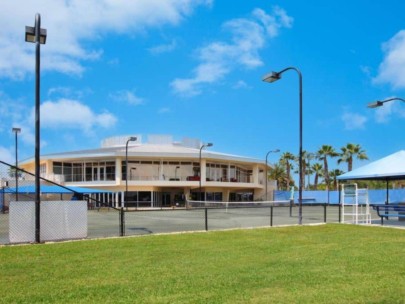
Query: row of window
[{"x": 149, "y": 170}]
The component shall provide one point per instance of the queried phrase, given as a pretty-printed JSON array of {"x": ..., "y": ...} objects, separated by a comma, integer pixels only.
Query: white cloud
[
  {"x": 217, "y": 59},
  {"x": 392, "y": 69},
  {"x": 71, "y": 114},
  {"x": 241, "y": 85},
  {"x": 163, "y": 48},
  {"x": 353, "y": 121},
  {"x": 127, "y": 97},
  {"x": 71, "y": 24}
]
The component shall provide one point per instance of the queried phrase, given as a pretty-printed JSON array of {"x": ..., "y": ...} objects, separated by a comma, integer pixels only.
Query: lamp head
[
  {"x": 209, "y": 144},
  {"x": 375, "y": 104},
  {"x": 30, "y": 35},
  {"x": 16, "y": 130},
  {"x": 272, "y": 77},
  {"x": 132, "y": 138}
]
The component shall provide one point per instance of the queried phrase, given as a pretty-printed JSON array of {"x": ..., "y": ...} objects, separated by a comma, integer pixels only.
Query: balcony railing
[{"x": 60, "y": 178}]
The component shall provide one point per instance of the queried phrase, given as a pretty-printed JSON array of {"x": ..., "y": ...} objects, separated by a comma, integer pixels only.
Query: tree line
[{"x": 316, "y": 165}]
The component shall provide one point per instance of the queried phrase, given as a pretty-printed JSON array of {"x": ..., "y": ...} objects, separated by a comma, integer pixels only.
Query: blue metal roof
[{"x": 54, "y": 189}]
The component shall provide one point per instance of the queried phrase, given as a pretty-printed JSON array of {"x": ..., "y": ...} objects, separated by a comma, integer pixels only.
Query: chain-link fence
[{"x": 67, "y": 214}]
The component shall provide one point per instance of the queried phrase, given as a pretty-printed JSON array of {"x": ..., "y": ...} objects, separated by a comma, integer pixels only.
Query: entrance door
[{"x": 165, "y": 199}]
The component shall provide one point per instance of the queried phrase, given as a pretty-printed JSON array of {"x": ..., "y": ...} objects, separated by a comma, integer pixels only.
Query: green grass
[{"x": 309, "y": 264}]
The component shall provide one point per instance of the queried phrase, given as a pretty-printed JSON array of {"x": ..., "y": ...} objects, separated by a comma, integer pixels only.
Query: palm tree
[
  {"x": 348, "y": 152},
  {"x": 317, "y": 169},
  {"x": 334, "y": 174},
  {"x": 308, "y": 170},
  {"x": 323, "y": 153},
  {"x": 277, "y": 173},
  {"x": 286, "y": 159}
]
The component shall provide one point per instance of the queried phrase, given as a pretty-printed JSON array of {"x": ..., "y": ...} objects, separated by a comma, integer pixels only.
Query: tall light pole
[
  {"x": 380, "y": 103},
  {"x": 16, "y": 131},
  {"x": 267, "y": 167},
  {"x": 272, "y": 77},
  {"x": 202, "y": 147},
  {"x": 37, "y": 35},
  {"x": 126, "y": 166}
]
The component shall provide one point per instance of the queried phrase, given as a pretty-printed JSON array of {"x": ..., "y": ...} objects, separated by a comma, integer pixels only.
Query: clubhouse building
[{"x": 157, "y": 172}]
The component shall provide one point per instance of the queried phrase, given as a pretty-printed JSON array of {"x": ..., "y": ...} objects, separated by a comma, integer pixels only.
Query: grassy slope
[{"x": 317, "y": 264}]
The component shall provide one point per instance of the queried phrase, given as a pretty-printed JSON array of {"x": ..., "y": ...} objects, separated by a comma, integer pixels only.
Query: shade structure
[{"x": 391, "y": 167}]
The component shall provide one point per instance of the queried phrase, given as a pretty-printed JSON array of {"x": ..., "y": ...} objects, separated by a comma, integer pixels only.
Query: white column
[
  {"x": 255, "y": 174},
  {"x": 203, "y": 169},
  {"x": 118, "y": 171}
]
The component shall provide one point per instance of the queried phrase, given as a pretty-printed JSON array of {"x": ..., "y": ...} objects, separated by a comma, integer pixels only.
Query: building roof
[{"x": 156, "y": 149}]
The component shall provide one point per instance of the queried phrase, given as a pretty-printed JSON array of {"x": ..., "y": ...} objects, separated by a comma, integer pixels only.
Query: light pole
[
  {"x": 272, "y": 77},
  {"x": 267, "y": 167},
  {"x": 380, "y": 103},
  {"x": 202, "y": 147},
  {"x": 16, "y": 131},
  {"x": 37, "y": 35},
  {"x": 126, "y": 166}
]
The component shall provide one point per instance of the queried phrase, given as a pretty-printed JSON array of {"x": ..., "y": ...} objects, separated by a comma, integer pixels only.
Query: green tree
[
  {"x": 278, "y": 173},
  {"x": 317, "y": 169},
  {"x": 334, "y": 174},
  {"x": 323, "y": 153},
  {"x": 350, "y": 151},
  {"x": 286, "y": 160},
  {"x": 308, "y": 169}
]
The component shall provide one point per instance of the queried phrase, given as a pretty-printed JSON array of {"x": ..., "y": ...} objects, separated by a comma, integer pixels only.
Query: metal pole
[
  {"x": 199, "y": 196},
  {"x": 16, "y": 131},
  {"x": 122, "y": 222},
  {"x": 126, "y": 172},
  {"x": 206, "y": 219},
  {"x": 271, "y": 216},
  {"x": 37, "y": 128},
  {"x": 267, "y": 174},
  {"x": 300, "y": 155},
  {"x": 274, "y": 77}
]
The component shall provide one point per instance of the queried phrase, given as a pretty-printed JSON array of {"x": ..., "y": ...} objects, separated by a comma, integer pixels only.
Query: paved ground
[{"x": 105, "y": 222}]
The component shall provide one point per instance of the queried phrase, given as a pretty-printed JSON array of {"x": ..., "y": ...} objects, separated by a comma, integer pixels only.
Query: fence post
[
  {"x": 291, "y": 205},
  {"x": 340, "y": 212},
  {"x": 324, "y": 213},
  {"x": 271, "y": 216},
  {"x": 206, "y": 219},
  {"x": 122, "y": 222}
]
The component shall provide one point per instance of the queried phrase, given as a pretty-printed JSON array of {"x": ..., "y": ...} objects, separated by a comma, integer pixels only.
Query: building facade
[{"x": 160, "y": 172}]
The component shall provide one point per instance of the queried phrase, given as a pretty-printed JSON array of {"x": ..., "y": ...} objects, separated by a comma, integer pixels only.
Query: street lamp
[
  {"x": 380, "y": 103},
  {"x": 126, "y": 166},
  {"x": 16, "y": 131},
  {"x": 38, "y": 36},
  {"x": 272, "y": 77},
  {"x": 202, "y": 147},
  {"x": 267, "y": 167}
]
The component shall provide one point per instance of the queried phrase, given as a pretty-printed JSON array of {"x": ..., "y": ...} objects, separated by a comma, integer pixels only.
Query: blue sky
[{"x": 194, "y": 68}]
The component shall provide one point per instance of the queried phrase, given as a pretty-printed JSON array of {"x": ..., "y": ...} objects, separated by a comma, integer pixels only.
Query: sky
[{"x": 193, "y": 68}]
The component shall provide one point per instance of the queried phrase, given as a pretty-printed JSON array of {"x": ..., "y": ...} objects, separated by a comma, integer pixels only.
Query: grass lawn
[{"x": 302, "y": 264}]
